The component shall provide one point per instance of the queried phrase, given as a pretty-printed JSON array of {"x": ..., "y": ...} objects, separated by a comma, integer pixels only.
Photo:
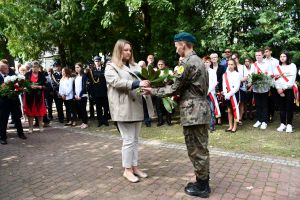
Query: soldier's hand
[
  {"x": 146, "y": 90},
  {"x": 145, "y": 83}
]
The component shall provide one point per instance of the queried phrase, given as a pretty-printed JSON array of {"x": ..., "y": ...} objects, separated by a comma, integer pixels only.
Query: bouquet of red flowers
[{"x": 14, "y": 85}]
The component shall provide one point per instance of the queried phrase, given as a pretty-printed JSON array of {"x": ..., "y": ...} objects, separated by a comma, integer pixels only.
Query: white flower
[
  {"x": 13, "y": 78},
  {"x": 7, "y": 79},
  {"x": 20, "y": 77}
]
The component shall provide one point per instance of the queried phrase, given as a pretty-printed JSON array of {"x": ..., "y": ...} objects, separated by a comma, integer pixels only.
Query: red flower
[{"x": 16, "y": 85}]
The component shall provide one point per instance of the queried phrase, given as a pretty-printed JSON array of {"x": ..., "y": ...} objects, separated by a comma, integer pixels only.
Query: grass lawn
[{"x": 246, "y": 139}]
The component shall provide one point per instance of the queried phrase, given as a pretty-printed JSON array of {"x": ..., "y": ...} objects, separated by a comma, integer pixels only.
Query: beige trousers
[{"x": 129, "y": 132}]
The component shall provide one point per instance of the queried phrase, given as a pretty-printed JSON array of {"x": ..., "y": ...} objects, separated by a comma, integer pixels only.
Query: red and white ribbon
[
  {"x": 214, "y": 100},
  {"x": 233, "y": 101},
  {"x": 295, "y": 87}
]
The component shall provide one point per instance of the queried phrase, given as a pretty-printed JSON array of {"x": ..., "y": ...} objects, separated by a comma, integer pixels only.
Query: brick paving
[{"x": 69, "y": 164}]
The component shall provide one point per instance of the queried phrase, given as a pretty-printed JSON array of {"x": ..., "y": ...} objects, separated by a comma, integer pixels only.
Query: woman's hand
[
  {"x": 146, "y": 90},
  {"x": 145, "y": 83},
  {"x": 63, "y": 97}
]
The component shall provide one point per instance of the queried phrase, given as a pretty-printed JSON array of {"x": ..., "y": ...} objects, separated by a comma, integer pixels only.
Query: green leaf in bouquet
[
  {"x": 167, "y": 104},
  {"x": 144, "y": 73},
  {"x": 139, "y": 74},
  {"x": 152, "y": 74}
]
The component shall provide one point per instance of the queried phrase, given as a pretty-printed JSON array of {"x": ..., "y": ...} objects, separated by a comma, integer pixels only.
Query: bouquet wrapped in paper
[
  {"x": 159, "y": 78},
  {"x": 14, "y": 85}
]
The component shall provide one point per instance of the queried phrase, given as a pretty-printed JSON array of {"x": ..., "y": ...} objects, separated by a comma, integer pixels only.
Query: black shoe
[
  {"x": 228, "y": 130},
  {"x": 160, "y": 123},
  {"x": 3, "y": 142},
  {"x": 195, "y": 189},
  {"x": 100, "y": 124},
  {"x": 61, "y": 121},
  {"x": 148, "y": 124},
  {"x": 196, "y": 183},
  {"x": 106, "y": 123},
  {"x": 22, "y": 136}
]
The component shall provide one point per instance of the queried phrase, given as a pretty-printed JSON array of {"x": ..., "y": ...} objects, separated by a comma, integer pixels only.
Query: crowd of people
[{"x": 229, "y": 91}]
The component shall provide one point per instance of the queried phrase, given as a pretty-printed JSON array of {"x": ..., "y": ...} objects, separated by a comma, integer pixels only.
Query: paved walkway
[{"x": 67, "y": 164}]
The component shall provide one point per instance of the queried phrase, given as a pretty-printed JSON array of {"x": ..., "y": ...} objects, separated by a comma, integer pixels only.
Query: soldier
[
  {"x": 56, "y": 76},
  {"x": 98, "y": 90},
  {"x": 191, "y": 83}
]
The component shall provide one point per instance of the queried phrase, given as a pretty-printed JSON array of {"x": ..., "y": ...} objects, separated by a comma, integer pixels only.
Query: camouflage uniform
[{"x": 192, "y": 86}]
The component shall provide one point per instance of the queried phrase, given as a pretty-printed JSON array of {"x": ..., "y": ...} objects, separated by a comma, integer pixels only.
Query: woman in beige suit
[{"x": 126, "y": 105}]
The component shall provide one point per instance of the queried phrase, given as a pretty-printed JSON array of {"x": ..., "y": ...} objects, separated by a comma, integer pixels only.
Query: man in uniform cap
[
  {"x": 98, "y": 90},
  {"x": 55, "y": 78},
  {"x": 191, "y": 83}
]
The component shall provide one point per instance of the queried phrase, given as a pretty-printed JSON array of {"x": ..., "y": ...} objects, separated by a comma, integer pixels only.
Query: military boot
[
  {"x": 198, "y": 181},
  {"x": 199, "y": 188}
]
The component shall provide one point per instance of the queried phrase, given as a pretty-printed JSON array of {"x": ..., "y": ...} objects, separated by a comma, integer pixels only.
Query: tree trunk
[
  {"x": 62, "y": 54},
  {"x": 6, "y": 53},
  {"x": 147, "y": 26}
]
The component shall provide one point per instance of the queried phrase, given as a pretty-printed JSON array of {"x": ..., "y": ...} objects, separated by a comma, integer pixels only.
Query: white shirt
[
  {"x": 271, "y": 62},
  {"x": 290, "y": 72},
  {"x": 265, "y": 68},
  {"x": 234, "y": 82},
  {"x": 213, "y": 81},
  {"x": 244, "y": 72},
  {"x": 66, "y": 88},
  {"x": 78, "y": 85}
]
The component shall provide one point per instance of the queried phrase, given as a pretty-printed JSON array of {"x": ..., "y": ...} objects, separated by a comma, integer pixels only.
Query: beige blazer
[{"x": 125, "y": 104}]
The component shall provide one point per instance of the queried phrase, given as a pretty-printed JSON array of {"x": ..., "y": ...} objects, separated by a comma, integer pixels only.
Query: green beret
[{"x": 184, "y": 36}]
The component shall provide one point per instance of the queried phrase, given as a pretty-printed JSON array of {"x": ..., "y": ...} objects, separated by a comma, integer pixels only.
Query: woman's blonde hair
[{"x": 117, "y": 53}]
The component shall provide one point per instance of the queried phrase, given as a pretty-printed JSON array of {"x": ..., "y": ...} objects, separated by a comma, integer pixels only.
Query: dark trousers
[
  {"x": 49, "y": 102},
  {"x": 147, "y": 119},
  {"x": 102, "y": 109},
  {"x": 196, "y": 140},
  {"x": 10, "y": 106},
  {"x": 161, "y": 111},
  {"x": 81, "y": 105},
  {"x": 286, "y": 107},
  {"x": 59, "y": 107},
  {"x": 91, "y": 106},
  {"x": 261, "y": 102},
  {"x": 272, "y": 102},
  {"x": 69, "y": 104}
]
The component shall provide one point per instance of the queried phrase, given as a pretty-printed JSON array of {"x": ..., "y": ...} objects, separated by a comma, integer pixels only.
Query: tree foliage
[{"x": 83, "y": 28}]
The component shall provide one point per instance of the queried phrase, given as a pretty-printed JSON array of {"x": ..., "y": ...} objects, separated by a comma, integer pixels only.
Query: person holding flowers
[
  {"x": 191, "y": 83},
  {"x": 9, "y": 101},
  {"x": 261, "y": 82},
  {"x": 126, "y": 105},
  {"x": 34, "y": 101},
  {"x": 285, "y": 77},
  {"x": 231, "y": 87}
]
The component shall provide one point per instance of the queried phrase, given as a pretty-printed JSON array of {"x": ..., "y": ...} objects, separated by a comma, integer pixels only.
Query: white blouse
[
  {"x": 234, "y": 82},
  {"x": 244, "y": 72},
  {"x": 213, "y": 81},
  {"x": 290, "y": 72},
  {"x": 66, "y": 88}
]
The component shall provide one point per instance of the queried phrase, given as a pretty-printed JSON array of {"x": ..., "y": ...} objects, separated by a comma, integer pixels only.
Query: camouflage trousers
[{"x": 196, "y": 140}]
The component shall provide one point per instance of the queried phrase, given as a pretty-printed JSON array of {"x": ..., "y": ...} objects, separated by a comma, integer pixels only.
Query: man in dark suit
[
  {"x": 7, "y": 106},
  {"x": 56, "y": 76},
  {"x": 98, "y": 90}
]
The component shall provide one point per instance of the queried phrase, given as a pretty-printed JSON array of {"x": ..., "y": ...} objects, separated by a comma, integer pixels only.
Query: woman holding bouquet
[
  {"x": 285, "y": 77},
  {"x": 126, "y": 105},
  {"x": 34, "y": 104},
  {"x": 231, "y": 86}
]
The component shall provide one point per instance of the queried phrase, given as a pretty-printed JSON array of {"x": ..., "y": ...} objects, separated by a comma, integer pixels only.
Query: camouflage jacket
[{"x": 191, "y": 83}]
